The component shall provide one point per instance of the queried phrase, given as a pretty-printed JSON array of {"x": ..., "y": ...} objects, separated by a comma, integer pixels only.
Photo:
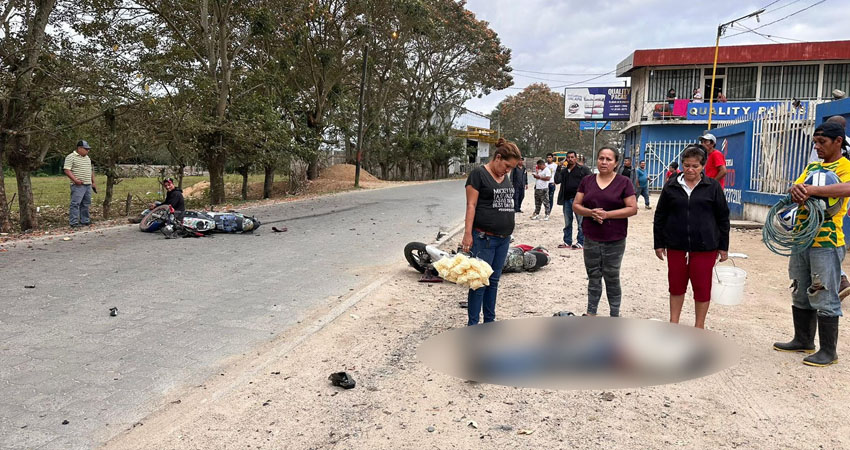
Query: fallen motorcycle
[
  {"x": 520, "y": 258},
  {"x": 174, "y": 224}
]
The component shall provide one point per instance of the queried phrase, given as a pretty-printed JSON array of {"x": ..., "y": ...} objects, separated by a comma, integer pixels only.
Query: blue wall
[
  {"x": 838, "y": 107},
  {"x": 737, "y": 140}
]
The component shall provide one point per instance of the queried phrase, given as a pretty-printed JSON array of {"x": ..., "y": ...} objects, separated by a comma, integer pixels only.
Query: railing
[
  {"x": 782, "y": 144},
  {"x": 658, "y": 156}
]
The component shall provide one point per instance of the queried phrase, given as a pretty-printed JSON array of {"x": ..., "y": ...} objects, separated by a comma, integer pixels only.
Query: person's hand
[
  {"x": 724, "y": 255},
  {"x": 661, "y": 253},
  {"x": 799, "y": 194},
  {"x": 152, "y": 206},
  {"x": 78, "y": 181},
  {"x": 599, "y": 214},
  {"x": 466, "y": 243}
]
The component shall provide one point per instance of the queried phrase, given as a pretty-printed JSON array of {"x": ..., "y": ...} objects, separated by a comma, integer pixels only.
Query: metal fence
[
  {"x": 782, "y": 143},
  {"x": 658, "y": 156}
]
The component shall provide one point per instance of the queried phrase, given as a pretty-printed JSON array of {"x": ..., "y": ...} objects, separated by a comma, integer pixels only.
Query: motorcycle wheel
[
  {"x": 417, "y": 256},
  {"x": 157, "y": 214}
]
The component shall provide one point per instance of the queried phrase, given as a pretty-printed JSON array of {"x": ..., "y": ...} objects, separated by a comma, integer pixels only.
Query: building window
[
  {"x": 835, "y": 76},
  {"x": 741, "y": 83},
  {"x": 787, "y": 82},
  {"x": 682, "y": 80}
]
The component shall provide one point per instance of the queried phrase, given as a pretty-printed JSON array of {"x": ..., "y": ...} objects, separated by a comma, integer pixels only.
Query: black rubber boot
[
  {"x": 805, "y": 324},
  {"x": 828, "y": 334}
]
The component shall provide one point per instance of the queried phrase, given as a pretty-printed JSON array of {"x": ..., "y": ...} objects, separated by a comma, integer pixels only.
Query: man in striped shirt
[{"x": 79, "y": 169}]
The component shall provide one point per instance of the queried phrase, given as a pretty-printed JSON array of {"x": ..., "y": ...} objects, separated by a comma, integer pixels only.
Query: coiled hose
[{"x": 789, "y": 236}]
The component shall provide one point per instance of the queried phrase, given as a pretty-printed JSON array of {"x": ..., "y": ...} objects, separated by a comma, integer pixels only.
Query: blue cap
[{"x": 83, "y": 144}]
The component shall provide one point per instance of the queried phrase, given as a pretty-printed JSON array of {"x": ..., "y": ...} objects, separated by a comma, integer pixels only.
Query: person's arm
[
  {"x": 471, "y": 202},
  {"x": 559, "y": 175},
  {"x": 721, "y": 167},
  {"x": 74, "y": 179},
  {"x": 721, "y": 215},
  {"x": 546, "y": 175},
  {"x": 623, "y": 213},
  {"x": 833, "y": 190},
  {"x": 67, "y": 166},
  {"x": 93, "y": 185}
]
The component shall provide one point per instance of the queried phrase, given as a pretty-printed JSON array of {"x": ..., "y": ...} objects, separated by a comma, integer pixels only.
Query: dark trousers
[
  {"x": 603, "y": 260},
  {"x": 519, "y": 196}
]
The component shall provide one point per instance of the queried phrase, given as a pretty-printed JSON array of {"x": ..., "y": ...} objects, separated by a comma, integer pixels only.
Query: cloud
[{"x": 581, "y": 36}]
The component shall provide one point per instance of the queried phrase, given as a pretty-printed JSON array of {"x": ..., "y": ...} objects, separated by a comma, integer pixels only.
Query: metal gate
[
  {"x": 782, "y": 143},
  {"x": 658, "y": 156}
]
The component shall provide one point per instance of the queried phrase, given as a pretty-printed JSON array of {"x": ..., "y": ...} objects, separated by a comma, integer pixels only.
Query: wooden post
[{"x": 128, "y": 204}]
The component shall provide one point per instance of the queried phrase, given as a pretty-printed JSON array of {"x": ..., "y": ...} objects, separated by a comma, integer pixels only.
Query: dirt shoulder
[{"x": 279, "y": 397}]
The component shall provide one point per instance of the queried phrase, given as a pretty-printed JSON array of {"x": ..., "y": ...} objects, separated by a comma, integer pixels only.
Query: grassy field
[{"x": 52, "y": 194}]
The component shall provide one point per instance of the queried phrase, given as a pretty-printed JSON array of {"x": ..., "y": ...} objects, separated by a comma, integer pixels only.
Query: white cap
[{"x": 709, "y": 137}]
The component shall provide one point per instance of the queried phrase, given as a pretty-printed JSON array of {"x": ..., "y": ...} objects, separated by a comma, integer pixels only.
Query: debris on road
[
  {"x": 279, "y": 230},
  {"x": 342, "y": 379},
  {"x": 29, "y": 286},
  {"x": 431, "y": 429},
  {"x": 113, "y": 311},
  {"x": 607, "y": 396},
  {"x": 563, "y": 314},
  {"x": 525, "y": 432},
  {"x": 66, "y": 239},
  {"x": 472, "y": 424},
  {"x": 65, "y": 422}
]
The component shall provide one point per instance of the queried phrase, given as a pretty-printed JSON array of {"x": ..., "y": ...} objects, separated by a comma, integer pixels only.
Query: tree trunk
[
  {"x": 29, "y": 219},
  {"x": 215, "y": 164},
  {"x": 268, "y": 181},
  {"x": 244, "y": 172},
  {"x": 110, "y": 189},
  {"x": 180, "y": 176},
  {"x": 313, "y": 168},
  {"x": 5, "y": 214}
]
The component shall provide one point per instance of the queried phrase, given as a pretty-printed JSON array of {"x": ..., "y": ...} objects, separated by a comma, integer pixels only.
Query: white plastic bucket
[{"x": 727, "y": 285}]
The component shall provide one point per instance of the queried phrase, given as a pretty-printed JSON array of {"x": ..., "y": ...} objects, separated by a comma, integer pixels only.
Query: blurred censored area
[{"x": 578, "y": 353}]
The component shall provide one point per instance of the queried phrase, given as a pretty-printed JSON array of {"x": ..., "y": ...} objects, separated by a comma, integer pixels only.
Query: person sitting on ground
[
  {"x": 691, "y": 227},
  {"x": 173, "y": 196}
]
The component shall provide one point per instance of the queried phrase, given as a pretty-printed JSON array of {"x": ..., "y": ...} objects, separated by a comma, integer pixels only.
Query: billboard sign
[
  {"x": 601, "y": 103},
  {"x": 587, "y": 125},
  {"x": 735, "y": 110}
]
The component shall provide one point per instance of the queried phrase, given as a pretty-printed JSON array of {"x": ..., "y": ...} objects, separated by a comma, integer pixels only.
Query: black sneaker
[{"x": 342, "y": 379}]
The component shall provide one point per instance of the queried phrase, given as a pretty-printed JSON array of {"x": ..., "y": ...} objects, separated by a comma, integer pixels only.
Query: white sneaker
[
  {"x": 535, "y": 217},
  {"x": 547, "y": 217}
]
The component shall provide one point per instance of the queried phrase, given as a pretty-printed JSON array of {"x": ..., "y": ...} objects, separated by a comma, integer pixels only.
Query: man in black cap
[
  {"x": 816, "y": 271},
  {"x": 78, "y": 168}
]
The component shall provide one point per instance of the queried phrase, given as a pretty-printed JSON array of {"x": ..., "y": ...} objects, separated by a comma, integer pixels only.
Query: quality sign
[
  {"x": 735, "y": 110},
  {"x": 600, "y": 103}
]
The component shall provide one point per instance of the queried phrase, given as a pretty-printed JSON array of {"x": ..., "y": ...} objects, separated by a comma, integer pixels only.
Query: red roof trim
[{"x": 739, "y": 54}]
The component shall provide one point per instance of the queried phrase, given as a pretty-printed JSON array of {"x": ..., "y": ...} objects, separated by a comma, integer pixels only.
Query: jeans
[
  {"x": 602, "y": 260},
  {"x": 541, "y": 197},
  {"x": 492, "y": 250},
  {"x": 815, "y": 277},
  {"x": 78, "y": 213},
  {"x": 568, "y": 223},
  {"x": 551, "y": 197},
  {"x": 644, "y": 191},
  {"x": 519, "y": 196}
]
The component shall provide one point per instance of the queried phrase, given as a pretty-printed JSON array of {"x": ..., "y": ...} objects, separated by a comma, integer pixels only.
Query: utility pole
[
  {"x": 360, "y": 117},
  {"x": 720, "y": 30}
]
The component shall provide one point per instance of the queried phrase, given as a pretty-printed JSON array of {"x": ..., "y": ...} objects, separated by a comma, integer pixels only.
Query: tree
[
  {"x": 25, "y": 85},
  {"x": 534, "y": 118}
]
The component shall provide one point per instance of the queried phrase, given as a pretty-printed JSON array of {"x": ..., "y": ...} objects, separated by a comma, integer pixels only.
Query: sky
[{"x": 585, "y": 38}]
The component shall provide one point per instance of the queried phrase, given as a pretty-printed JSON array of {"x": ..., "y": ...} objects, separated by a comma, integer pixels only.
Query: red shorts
[{"x": 696, "y": 267}]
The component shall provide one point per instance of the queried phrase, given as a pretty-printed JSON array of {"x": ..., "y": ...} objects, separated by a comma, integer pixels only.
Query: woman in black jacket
[{"x": 691, "y": 228}]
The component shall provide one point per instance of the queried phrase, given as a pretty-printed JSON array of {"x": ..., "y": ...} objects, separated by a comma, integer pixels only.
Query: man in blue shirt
[{"x": 643, "y": 183}]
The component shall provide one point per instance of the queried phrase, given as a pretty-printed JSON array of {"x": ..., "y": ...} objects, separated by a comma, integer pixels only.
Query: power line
[
  {"x": 769, "y": 37},
  {"x": 777, "y": 20},
  {"x": 584, "y": 81},
  {"x": 555, "y": 73},
  {"x": 549, "y": 79}
]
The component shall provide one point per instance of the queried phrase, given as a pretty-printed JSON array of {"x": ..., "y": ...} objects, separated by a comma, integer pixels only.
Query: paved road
[{"x": 184, "y": 305}]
